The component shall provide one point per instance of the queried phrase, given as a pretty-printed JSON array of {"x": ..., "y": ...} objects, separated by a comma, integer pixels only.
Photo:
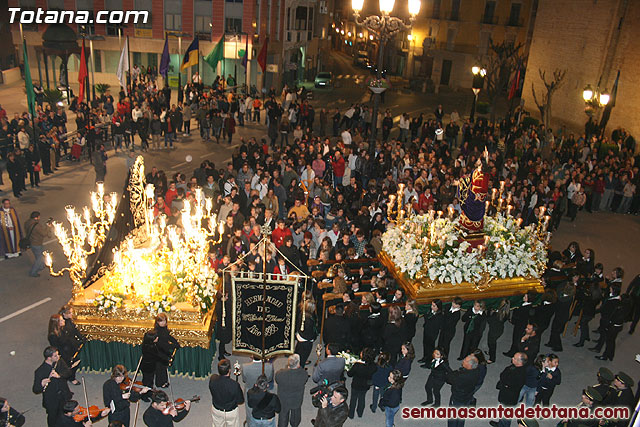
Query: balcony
[
  {"x": 455, "y": 47},
  {"x": 515, "y": 22},
  {"x": 489, "y": 20}
]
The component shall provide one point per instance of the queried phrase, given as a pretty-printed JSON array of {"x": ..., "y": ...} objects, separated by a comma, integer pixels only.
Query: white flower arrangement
[
  {"x": 107, "y": 302},
  {"x": 349, "y": 360},
  {"x": 158, "y": 304},
  {"x": 434, "y": 248}
]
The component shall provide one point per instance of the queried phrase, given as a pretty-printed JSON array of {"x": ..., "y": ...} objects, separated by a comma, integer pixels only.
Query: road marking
[{"x": 23, "y": 310}]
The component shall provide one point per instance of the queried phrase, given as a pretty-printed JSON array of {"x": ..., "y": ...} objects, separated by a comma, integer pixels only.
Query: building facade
[
  {"x": 592, "y": 40},
  {"x": 245, "y": 24},
  {"x": 450, "y": 36}
]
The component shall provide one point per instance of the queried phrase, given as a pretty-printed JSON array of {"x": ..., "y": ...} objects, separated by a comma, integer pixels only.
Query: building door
[{"x": 445, "y": 75}]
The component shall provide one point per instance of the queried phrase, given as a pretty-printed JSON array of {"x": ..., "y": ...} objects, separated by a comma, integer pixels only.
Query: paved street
[{"x": 26, "y": 303}]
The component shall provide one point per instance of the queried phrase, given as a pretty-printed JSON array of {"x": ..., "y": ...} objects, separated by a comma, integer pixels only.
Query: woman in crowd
[
  {"x": 392, "y": 397},
  {"x": 361, "y": 372}
]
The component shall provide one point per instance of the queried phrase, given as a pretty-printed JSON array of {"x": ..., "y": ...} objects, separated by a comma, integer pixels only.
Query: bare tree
[
  {"x": 501, "y": 61},
  {"x": 544, "y": 105}
]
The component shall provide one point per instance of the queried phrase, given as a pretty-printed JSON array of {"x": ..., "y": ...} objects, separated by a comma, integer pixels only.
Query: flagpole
[
  {"x": 129, "y": 61},
  {"x": 31, "y": 113},
  {"x": 235, "y": 64}
]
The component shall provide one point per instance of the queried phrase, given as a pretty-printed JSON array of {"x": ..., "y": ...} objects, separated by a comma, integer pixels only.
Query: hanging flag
[
  {"x": 245, "y": 57},
  {"x": 262, "y": 56},
  {"x": 28, "y": 83},
  {"x": 123, "y": 66},
  {"x": 164, "y": 60},
  {"x": 515, "y": 85},
  {"x": 82, "y": 74},
  {"x": 191, "y": 56},
  {"x": 216, "y": 55}
]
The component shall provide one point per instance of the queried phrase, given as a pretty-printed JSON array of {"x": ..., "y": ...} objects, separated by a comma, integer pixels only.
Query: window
[
  {"x": 310, "y": 20},
  {"x": 455, "y": 10},
  {"x": 29, "y": 5},
  {"x": 113, "y": 29},
  {"x": 55, "y": 4},
  {"x": 451, "y": 38},
  {"x": 173, "y": 15},
  {"x": 234, "y": 1},
  {"x": 203, "y": 27},
  {"x": 233, "y": 25},
  {"x": 489, "y": 10},
  {"x": 97, "y": 60},
  {"x": 301, "y": 18},
  {"x": 514, "y": 16},
  {"x": 145, "y": 5},
  {"x": 436, "y": 9},
  {"x": 88, "y": 6}
]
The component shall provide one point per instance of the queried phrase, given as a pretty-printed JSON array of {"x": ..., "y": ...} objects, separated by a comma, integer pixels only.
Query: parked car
[
  {"x": 323, "y": 79},
  {"x": 362, "y": 58}
]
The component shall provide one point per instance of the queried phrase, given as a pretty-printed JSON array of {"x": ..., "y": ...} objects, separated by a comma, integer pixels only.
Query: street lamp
[
  {"x": 594, "y": 99},
  {"x": 385, "y": 27},
  {"x": 478, "y": 82}
]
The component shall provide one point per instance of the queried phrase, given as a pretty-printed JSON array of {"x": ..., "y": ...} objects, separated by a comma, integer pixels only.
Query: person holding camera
[
  {"x": 333, "y": 411},
  {"x": 36, "y": 233}
]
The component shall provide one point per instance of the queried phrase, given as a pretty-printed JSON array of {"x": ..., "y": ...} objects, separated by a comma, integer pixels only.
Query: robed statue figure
[{"x": 472, "y": 193}]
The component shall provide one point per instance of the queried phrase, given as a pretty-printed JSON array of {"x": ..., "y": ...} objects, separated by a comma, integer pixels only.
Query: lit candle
[
  {"x": 48, "y": 261},
  {"x": 509, "y": 209},
  {"x": 439, "y": 214},
  {"x": 480, "y": 249},
  {"x": 519, "y": 222},
  {"x": 501, "y": 186},
  {"x": 542, "y": 210},
  {"x": 499, "y": 204},
  {"x": 509, "y": 196},
  {"x": 494, "y": 193},
  {"x": 486, "y": 240},
  {"x": 486, "y": 206},
  {"x": 451, "y": 211}
]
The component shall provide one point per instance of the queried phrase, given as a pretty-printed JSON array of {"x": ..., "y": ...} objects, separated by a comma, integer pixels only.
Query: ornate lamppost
[
  {"x": 594, "y": 99},
  {"x": 384, "y": 26},
  {"x": 478, "y": 83}
]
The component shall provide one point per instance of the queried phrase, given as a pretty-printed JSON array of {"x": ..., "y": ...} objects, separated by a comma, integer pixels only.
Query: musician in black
[
  {"x": 60, "y": 339},
  {"x": 623, "y": 395},
  {"x": 606, "y": 310},
  {"x": 616, "y": 322},
  {"x": 604, "y": 387},
  {"x": 591, "y": 398},
  {"x": 590, "y": 294},
  {"x": 634, "y": 292},
  {"x": 117, "y": 400},
  {"x": 161, "y": 413},
  {"x": 9, "y": 416},
  {"x": 451, "y": 319},
  {"x": 475, "y": 321},
  {"x": 167, "y": 344},
  {"x": 566, "y": 294},
  {"x": 70, "y": 409},
  {"x": 50, "y": 379},
  {"x": 73, "y": 335}
]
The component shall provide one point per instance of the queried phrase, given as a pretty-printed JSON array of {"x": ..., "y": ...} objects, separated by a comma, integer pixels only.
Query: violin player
[
  {"x": 50, "y": 379},
  {"x": 117, "y": 400},
  {"x": 70, "y": 413},
  {"x": 161, "y": 413}
]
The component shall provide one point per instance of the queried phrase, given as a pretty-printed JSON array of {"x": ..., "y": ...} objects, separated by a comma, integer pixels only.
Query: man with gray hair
[
  {"x": 512, "y": 379},
  {"x": 463, "y": 383},
  {"x": 291, "y": 381}
]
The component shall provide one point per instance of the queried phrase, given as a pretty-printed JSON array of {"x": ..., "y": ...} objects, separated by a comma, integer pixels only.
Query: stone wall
[{"x": 579, "y": 35}]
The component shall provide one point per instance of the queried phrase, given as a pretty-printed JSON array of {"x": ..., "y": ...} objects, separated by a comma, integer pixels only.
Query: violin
[
  {"x": 126, "y": 383},
  {"x": 179, "y": 404},
  {"x": 94, "y": 412}
]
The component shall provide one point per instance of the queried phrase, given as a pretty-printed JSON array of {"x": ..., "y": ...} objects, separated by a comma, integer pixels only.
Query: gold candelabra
[{"x": 87, "y": 233}]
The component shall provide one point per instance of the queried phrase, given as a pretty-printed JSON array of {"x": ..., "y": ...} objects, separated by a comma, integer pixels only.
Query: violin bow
[
  {"x": 173, "y": 401},
  {"x": 86, "y": 399},
  {"x": 135, "y": 375},
  {"x": 135, "y": 417}
]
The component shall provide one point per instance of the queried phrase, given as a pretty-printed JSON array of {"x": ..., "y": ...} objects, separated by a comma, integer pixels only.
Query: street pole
[
  {"x": 93, "y": 67},
  {"x": 476, "y": 91},
  {"x": 376, "y": 101}
]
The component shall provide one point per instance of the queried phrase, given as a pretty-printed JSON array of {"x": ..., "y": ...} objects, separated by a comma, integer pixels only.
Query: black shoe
[
  {"x": 426, "y": 402},
  {"x": 556, "y": 349},
  {"x": 602, "y": 358},
  {"x": 424, "y": 365},
  {"x": 579, "y": 344},
  {"x": 493, "y": 423},
  {"x": 508, "y": 353},
  {"x": 372, "y": 409},
  {"x": 596, "y": 349},
  {"x": 423, "y": 360},
  {"x": 460, "y": 358},
  {"x": 631, "y": 331}
]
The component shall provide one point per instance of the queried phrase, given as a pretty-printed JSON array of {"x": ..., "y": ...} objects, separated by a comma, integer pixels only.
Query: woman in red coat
[{"x": 230, "y": 127}]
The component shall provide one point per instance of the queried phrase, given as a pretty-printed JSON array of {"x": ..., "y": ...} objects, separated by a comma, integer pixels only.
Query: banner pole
[{"x": 264, "y": 295}]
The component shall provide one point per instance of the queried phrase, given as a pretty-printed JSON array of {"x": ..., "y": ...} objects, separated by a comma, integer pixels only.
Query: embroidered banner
[{"x": 279, "y": 310}]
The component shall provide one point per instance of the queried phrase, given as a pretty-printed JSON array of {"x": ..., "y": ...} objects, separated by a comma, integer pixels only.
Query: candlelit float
[
  {"x": 478, "y": 251},
  {"x": 127, "y": 265}
]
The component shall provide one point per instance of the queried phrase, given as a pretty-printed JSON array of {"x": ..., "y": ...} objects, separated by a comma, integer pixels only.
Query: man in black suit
[
  {"x": 330, "y": 369},
  {"x": 50, "y": 379},
  {"x": 291, "y": 382},
  {"x": 550, "y": 378},
  {"x": 544, "y": 312},
  {"x": 475, "y": 321},
  {"x": 530, "y": 342},
  {"x": 432, "y": 326},
  {"x": 623, "y": 396},
  {"x": 616, "y": 321},
  {"x": 463, "y": 382},
  {"x": 512, "y": 379},
  {"x": 519, "y": 318},
  {"x": 226, "y": 395},
  {"x": 451, "y": 318}
]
